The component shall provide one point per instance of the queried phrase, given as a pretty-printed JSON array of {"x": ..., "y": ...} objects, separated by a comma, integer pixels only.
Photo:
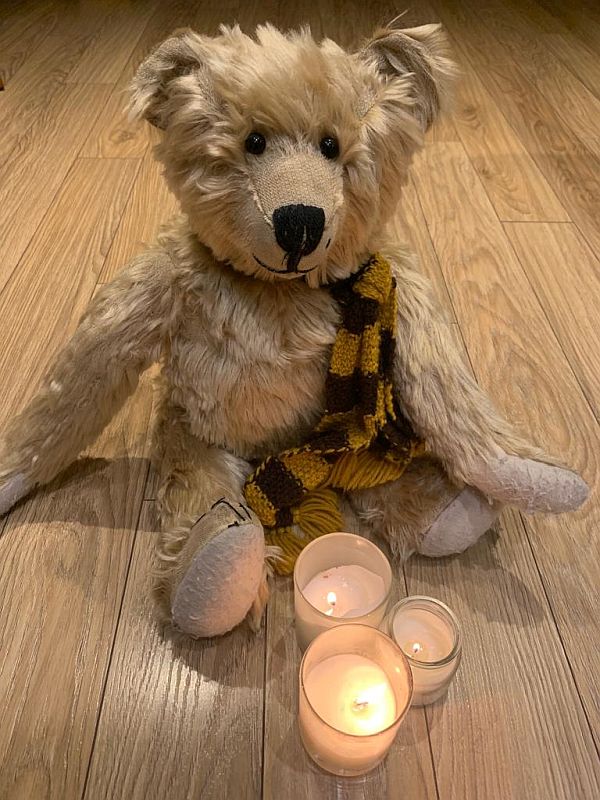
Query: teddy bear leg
[
  {"x": 424, "y": 511},
  {"x": 210, "y": 561}
]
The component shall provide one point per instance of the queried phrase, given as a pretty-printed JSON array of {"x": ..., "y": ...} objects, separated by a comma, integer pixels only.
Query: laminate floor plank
[
  {"x": 116, "y": 29},
  {"x": 565, "y": 276},
  {"x": 150, "y": 205},
  {"x": 576, "y": 106},
  {"x": 32, "y": 176},
  {"x": 19, "y": 38},
  {"x": 30, "y": 100},
  {"x": 47, "y": 295},
  {"x": 204, "y": 18},
  {"x": 63, "y": 568},
  {"x": 575, "y": 55},
  {"x": 409, "y": 225},
  {"x": 517, "y": 358},
  {"x": 580, "y": 18},
  {"x": 65, "y": 551},
  {"x": 515, "y": 185},
  {"x": 114, "y": 135},
  {"x": 511, "y": 725},
  {"x": 189, "y": 714},
  {"x": 570, "y": 168}
]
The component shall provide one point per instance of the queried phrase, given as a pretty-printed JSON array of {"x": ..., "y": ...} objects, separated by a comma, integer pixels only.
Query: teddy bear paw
[
  {"x": 462, "y": 522},
  {"x": 12, "y": 489},
  {"x": 225, "y": 572}
]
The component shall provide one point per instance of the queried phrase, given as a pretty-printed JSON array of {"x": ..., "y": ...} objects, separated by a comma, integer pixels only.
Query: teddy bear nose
[{"x": 298, "y": 229}]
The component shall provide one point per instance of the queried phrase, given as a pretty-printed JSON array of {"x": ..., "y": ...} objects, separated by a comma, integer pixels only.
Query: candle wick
[{"x": 360, "y": 705}]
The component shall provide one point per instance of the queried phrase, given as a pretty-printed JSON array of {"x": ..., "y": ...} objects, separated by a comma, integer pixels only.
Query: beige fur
[{"x": 244, "y": 350}]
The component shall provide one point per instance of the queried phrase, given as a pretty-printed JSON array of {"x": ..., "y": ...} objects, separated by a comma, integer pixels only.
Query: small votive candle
[
  {"x": 355, "y": 688},
  {"x": 339, "y": 578},
  {"x": 427, "y": 632}
]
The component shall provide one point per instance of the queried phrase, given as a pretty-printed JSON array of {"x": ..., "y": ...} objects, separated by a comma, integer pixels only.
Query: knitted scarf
[{"x": 362, "y": 439}]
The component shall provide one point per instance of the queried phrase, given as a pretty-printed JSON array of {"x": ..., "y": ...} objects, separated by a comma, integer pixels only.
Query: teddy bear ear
[
  {"x": 422, "y": 53},
  {"x": 178, "y": 55}
]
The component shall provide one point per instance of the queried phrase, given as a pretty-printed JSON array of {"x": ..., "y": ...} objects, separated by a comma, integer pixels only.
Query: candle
[
  {"x": 428, "y": 633},
  {"x": 339, "y": 578},
  {"x": 345, "y": 591},
  {"x": 355, "y": 688}
]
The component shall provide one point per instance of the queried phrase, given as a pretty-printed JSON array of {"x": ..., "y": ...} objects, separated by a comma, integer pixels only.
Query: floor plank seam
[
  {"x": 524, "y": 271},
  {"x": 112, "y": 649},
  {"x": 534, "y": 153},
  {"x": 424, "y": 710},
  {"x": 567, "y": 67},
  {"x": 556, "y": 333},
  {"x": 125, "y": 204},
  {"x": 525, "y": 527},
  {"x": 23, "y": 255},
  {"x": 50, "y": 205},
  {"x": 264, "y": 707},
  {"x": 155, "y": 11},
  {"x": 452, "y": 310},
  {"x": 534, "y": 89}
]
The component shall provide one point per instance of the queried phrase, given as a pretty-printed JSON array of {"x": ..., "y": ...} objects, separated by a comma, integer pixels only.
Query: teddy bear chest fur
[{"x": 249, "y": 359}]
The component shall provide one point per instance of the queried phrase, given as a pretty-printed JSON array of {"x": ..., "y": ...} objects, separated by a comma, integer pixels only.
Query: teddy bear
[{"x": 304, "y": 361}]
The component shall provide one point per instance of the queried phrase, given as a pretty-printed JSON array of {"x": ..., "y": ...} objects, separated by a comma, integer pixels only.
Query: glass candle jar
[
  {"x": 355, "y": 689},
  {"x": 428, "y": 633},
  {"x": 339, "y": 578}
]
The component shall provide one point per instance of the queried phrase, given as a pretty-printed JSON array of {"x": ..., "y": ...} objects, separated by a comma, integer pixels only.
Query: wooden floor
[{"x": 504, "y": 210}]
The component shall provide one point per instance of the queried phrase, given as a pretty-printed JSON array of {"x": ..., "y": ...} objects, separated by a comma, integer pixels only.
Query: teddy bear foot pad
[
  {"x": 226, "y": 549},
  {"x": 460, "y": 524}
]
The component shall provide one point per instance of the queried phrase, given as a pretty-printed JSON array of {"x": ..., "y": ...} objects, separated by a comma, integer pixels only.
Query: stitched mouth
[{"x": 282, "y": 271}]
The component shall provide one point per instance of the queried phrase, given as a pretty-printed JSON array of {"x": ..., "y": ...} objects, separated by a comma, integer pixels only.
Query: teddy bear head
[{"x": 287, "y": 154}]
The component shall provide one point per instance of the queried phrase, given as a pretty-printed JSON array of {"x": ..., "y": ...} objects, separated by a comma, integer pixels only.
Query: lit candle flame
[
  {"x": 372, "y": 695},
  {"x": 417, "y": 647},
  {"x": 331, "y": 599}
]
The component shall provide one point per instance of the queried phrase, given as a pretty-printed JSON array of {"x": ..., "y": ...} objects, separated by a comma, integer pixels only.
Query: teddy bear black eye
[
  {"x": 330, "y": 147},
  {"x": 255, "y": 143}
]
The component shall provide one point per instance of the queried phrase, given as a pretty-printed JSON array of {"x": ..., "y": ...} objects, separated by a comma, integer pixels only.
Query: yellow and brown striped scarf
[{"x": 362, "y": 440}]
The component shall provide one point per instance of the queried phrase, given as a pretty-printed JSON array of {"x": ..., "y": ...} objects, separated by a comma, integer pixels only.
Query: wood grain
[
  {"x": 150, "y": 204},
  {"x": 65, "y": 552},
  {"x": 40, "y": 306},
  {"x": 500, "y": 733},
  {"x": 565, "y": 276},
  {"x": 288, "y": 771},
  {"x": 38, "y": 165},
  {"x": 574, "y": 54},
  {"x": 20, "y": 37},
  {"x": 31, "y": 98},
  {"x": 573, "y": 103},
  {"x": 113, "y": 135},
  {"x": 63, "y": 566},
  {"x": 409, "y": 226},
  {"x": 115, "y": 28},
  {"x": 570, "y": 168},
  {"x": 514, "y": 184},
  {"x": 167, "y": 17},
  {"x": 580, "y": 18},
  {"x": 189, "y": 714},
  {"x": 516, "y": 356},
  {"x": 96, "y": 703}
]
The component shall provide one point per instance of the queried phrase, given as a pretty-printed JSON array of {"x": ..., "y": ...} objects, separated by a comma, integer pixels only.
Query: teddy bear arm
[{"x": 91, "y": 377}]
